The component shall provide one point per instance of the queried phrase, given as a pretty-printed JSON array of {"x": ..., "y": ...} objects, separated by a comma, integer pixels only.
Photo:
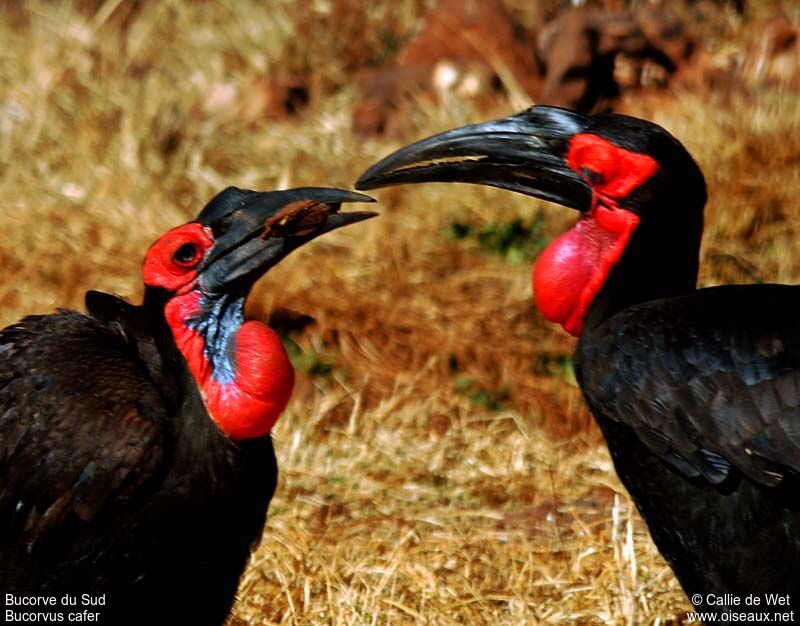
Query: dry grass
[{"x": 444, "y": 469}]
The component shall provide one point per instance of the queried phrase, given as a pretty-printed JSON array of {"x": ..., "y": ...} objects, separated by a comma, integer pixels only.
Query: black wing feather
[
  {"x": 80, "y": 424},
  {"x": 709, "y": 381}
]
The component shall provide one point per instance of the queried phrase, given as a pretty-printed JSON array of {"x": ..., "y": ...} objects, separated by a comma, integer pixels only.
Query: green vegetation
[{"x": 516, "y": 240}]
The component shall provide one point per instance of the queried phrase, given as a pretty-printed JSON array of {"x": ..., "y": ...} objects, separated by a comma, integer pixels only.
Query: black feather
[{"x": 113, "y": 478}]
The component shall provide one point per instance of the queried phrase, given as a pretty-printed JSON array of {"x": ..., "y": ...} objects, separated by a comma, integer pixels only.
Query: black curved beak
[
  {"x": 254, "y": 230},
  {"x": 523, "y": 153}
]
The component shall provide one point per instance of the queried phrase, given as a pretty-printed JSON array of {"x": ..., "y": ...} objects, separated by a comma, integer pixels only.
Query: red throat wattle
[
  {"x": 571, "y": 271},
  {"x": 249, "y": 405}
]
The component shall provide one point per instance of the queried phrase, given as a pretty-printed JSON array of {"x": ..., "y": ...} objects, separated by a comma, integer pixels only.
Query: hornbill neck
[
  {"x": 171, "y": 372},
  {"x": 199, "y": 445},
  {"x": 233, "y": 374},
  {"x": 145, "y": 331},
  {"x": 660, "y": 260}
]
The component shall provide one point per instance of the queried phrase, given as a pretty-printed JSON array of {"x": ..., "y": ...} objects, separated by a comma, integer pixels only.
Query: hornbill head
[
  {"x": 200, "y": 273},
  {"x": 639, "y": 193}
]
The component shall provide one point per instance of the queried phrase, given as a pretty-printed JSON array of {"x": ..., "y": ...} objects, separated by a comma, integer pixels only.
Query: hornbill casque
[
  {"x": 135, "y": 455},
  {"x": 696, "y": 391}
]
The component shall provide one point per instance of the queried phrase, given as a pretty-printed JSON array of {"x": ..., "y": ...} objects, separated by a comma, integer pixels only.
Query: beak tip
[
  {"x": 360, "y": 197},
  {"x": 359, "y": 216},
  {"x": 363, "y": 182}
]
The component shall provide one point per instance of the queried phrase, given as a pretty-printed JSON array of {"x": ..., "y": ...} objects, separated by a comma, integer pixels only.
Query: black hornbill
[
  {"x": 697, "y": 392},
  {"x": 135, "y": 456}
]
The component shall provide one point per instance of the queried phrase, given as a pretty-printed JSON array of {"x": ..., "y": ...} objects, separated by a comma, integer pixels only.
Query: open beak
[
  {"x": 254, "y": 230},
  {"x": 523, "y": 153}
]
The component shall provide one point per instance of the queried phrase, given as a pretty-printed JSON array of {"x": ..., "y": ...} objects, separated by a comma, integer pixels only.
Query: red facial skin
[
  {"x": 249, "y": 405},
  {"x": 573, "y": 268},
  {"x": 162, "y": 269}
]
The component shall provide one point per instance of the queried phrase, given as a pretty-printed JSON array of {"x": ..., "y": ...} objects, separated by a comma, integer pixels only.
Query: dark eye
[
  {"x": 186, "y": 255},
  {"x": 595, "y": 159},
  {"x": 593, "y": 177}
]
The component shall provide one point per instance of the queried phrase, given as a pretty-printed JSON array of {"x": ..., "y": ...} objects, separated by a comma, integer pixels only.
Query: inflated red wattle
[
  {"x": 572, "y": 269},
  {"x": 561, "y": 272},
  {"x": 250, "y": 404}
]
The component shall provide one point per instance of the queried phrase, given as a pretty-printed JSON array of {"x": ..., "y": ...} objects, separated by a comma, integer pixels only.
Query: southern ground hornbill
[
  {"x": 135, "y": 456},
  {"x": 697, "y": 392}
]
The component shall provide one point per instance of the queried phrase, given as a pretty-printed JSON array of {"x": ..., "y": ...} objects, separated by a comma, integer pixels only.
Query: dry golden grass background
[{"x": 437, "y": 465}]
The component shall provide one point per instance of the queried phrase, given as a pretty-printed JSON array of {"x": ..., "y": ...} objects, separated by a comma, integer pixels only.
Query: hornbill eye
[
  {"x": 593, "y": 177},
  {"x": 186, "y": 255},
  {"x": 595, "y": 159}
]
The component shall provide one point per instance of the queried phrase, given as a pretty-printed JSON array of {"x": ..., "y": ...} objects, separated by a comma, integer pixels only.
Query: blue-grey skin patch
[{"x": 219, "y": 319}]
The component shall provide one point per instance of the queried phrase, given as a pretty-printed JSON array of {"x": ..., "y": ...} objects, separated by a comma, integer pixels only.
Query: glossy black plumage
[
  {"x": 697, "y": 392},
  {"x": 114, "y": 479},
  {"x": 698, "y": 397},
  {"x": 709, "y": 381}
]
